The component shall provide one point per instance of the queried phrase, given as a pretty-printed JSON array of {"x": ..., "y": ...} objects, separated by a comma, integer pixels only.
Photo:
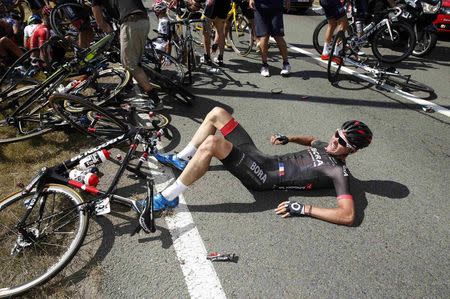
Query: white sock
[
  {"x": 187, "y": 153},
  {"x": 174, "y": 190},
  {"x": 337, "y": 49},
  {"x": 326, "y": 49}
]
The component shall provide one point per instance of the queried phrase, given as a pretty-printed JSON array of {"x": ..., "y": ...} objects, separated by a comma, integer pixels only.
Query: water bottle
[
  {"x": 69, "y": 87},
  {"x": 359, "y": 28},
  {"x": 94, "y": 159},
  {"x": 213, "y": 70},
  {"x": 87, "y": 178}
]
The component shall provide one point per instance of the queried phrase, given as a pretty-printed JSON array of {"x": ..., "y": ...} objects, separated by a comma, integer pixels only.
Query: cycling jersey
[
  {"x": 27, "y": 33},
  {"x": 40, "y": 35},
  {"x": 304, "y": 170}
]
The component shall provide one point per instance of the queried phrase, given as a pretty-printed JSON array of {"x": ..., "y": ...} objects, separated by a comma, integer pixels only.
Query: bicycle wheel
[
  {"x": 20, "y": 70},
  {"x": 164, "y": 64},
  {"x": 36, "y": 120},
  {"x": 101, "y": 86},
  {"x": 69, "y": 19},
  {"x": 103, "y": 126},
  {"x": 408, "y": 84},
  {"x": 394, "y": 44},
  {"x": 337, "y": 54},
  {"x": 319, "y": 35},
  {"x": 240, "y": 34},
  {"x": 46, "y": 242}
]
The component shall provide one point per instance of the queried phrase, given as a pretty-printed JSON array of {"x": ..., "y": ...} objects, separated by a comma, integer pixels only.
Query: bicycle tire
[
  {"x": 100, "y": 88},
  {"x": 426, "y": 44},
  {"x": 164, "y": 64},
  {"x": 60, "y": 20},
  {"x": 332, "y": 70},
  {"x": 106, "y": 126},
  {"x": 179, "y": 93},
  {"x": 34, "y": 121},
  {"x": 240, "y": 35},
  {"x": 20, "y": 70},
  {"x": 408, "y": 84},
  {"x": 394, "y": 50},
  {"x": 51, "y": 248}
]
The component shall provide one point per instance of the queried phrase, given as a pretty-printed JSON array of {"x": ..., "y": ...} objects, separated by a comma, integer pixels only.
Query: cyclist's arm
[
  {"x": 301, "y": 139},
  {"x": 343, "y": 214},
  {"x": 98, "y": 15}
]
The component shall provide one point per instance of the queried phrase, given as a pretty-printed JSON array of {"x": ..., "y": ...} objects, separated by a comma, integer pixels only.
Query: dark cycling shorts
[
  {"x": 269, "y": 22},
  {"x": 219, "y": 9},
  {"x": 333, "y": 9},
  {"x": 256, "y": 170},
  {"x": 246, "y": 10}
]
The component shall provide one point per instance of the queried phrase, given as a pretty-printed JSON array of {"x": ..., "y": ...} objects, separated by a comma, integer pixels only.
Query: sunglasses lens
[{"x": 340, "y": 140}]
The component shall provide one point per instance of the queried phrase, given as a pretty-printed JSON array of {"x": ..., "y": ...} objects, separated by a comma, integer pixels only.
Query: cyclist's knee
[
  {"x": 217, "y": 113},
  {"x": 210, "y": 145}
]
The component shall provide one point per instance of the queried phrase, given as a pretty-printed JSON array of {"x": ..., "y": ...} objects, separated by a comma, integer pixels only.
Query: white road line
[
  {"x": 199, "y": 274},
  {"x": 405, "y": 95}
]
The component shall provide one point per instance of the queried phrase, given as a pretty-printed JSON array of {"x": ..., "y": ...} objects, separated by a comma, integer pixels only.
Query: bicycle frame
[
  {"x": 58, "y": 174},
  {"x": 52, "y": 82}
]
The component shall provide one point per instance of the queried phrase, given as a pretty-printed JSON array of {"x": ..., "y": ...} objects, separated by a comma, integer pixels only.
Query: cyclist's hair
[{"x": 358, "y": 133}]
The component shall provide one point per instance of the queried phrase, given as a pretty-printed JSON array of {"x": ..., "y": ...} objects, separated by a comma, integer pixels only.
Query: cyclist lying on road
[{"x": 321, "y": 165}]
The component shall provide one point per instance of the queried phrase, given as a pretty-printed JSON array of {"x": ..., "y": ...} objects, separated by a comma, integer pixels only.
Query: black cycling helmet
[{"x": 358, "y": 133}]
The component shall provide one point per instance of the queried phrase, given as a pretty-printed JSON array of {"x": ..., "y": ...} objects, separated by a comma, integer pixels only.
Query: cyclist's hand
[
  {"x": 251, "y": 4},
  {"x": 173, "y": 3},
  {"x": 278, "y": 139},
  {"x": 193, "y": 5},
  {"x": 290, "y": 209},
  {"x": 282, "y": 209}
]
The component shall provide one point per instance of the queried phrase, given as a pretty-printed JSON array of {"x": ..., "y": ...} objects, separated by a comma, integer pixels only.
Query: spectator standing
[
  {"x": 134, "y": 29},
  {"x": 269, "y": 22}
]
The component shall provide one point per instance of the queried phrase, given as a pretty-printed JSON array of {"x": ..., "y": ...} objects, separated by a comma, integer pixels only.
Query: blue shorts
[
  {"x": 269, "y": 22},
  {"x": 333, "y": 9}
]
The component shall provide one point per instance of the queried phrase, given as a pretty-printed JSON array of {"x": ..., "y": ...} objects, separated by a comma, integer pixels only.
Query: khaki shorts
[{"x": 133, "y": 36}]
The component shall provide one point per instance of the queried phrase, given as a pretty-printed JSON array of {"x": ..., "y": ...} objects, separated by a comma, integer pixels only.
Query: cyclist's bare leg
[
  {"x": 216, "y": 119},
  {"x": 281, "y": 43},
  {"x": 332, "y": 24},
  {"x": 7, "y": 47},
  {"x": 141, "y": 77},
  {"x": 85, "y": 38},
  {"x": 207, "y": 37},
  {"x": 264, "y": 45},
  {"x": 213, "y": 146},
  {"x": 220, "y": 35}
]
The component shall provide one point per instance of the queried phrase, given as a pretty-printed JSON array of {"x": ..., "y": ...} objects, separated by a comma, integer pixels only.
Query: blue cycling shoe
[
  {"x": 159, "y": 203},
  {"x": 172, "y": 161}
]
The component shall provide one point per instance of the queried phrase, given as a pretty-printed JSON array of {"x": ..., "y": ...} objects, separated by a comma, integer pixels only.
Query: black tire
[
  {"x": 408, "y": 84},
  {"x": 101, "y": 86},
  {"x": 52, "y": 243},
  {"x": 105, "y": 126},
  {"x": 318, "y": 35},
  {"x": 33, "y": 121},
  {"x": 240, "y": 34},
  {"x": 396, "y": 48},
  {"x": 425, "y": 44},
  {"x": 20, "y": 70},
  {"x": 333, "y": 69},
  {"x": 62, "y": 20},
  {"x": 164, "y": 64}
]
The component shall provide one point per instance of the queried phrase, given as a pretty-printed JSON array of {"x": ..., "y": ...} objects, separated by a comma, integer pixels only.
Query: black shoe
[
  {"x": 207, "y": 60},
  {"x": 214, "y": 47},
  {"x": 154, "y": 102},
  {"x": 219, "y": 60}
]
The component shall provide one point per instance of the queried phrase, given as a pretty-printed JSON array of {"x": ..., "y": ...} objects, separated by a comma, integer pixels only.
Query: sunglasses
[{"x": 341, "y": 141}]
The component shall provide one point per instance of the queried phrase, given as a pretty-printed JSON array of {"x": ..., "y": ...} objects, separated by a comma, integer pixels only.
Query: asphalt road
[{"x": 399, "y": 245}]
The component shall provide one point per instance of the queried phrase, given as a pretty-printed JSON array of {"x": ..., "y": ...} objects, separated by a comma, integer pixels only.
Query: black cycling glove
[
  {"x": 282, "y": 138},
  {"x": 295, "y": 208}
]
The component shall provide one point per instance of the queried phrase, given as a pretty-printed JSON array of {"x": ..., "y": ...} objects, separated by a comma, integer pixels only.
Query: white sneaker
[
  {"x": 286, "y": 70},
  {"x": 265, "y": 71}
]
